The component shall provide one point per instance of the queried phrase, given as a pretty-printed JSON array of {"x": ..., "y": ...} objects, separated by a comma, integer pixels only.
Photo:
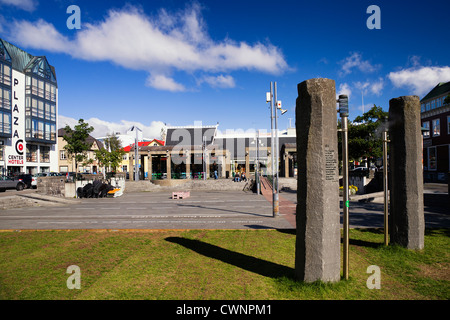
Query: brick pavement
[{"x": 287, "y": 208}]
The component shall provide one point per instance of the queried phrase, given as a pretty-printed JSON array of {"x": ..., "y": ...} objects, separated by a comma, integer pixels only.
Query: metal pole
[
  {"x": 277, "y": 141},
  {"x": 136, "y": 156},
  {"x": 274, "y": 208},
  {"x": 257, "y": 163},
  {"x": 385, "y": 188},
  {"x": 345, "y": 194},
  {"x": 343, "y": 110}
]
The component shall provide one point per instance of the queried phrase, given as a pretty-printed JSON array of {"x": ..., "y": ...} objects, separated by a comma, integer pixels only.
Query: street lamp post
[
  {"x": 272, "y": 98},
  {"x": 275, "y": 207}
]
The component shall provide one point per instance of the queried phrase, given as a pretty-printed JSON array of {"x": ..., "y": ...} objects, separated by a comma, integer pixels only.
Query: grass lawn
[{"x": 209, "y": 264}]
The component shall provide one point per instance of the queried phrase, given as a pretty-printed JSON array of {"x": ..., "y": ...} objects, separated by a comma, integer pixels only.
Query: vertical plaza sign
[{"x": 16, "y": 153}]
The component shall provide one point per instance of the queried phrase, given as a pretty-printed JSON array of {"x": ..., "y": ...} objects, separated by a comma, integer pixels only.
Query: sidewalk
[{"x": 287, "y": 208}]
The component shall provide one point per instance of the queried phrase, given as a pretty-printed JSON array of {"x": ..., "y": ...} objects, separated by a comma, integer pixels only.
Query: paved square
[{"x": 152, "y": 210}]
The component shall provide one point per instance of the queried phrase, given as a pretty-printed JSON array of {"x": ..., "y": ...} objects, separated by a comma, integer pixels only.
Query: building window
[
  {"x": 62, "y": 155},
  {"x": 432, "y": 158},
  {"x": 433, "y": 104},
  {"x": 448, "y": 124},
  {"x": 31, "y": 153},
  {"x": 436, "y": 128},
  {"x": 63, "y": 169},
  {"x": 438, "y": 102},
  {"x": 426, "y": 125},
  {"x": 427, "y": 107},
  {"x": 5, "y": 74},
  {"x": 5, "y": 99},
  {"x": 422, "y": 107},
  {"x": 6, "y": 122},
  {"x": 45, "y": 154}
]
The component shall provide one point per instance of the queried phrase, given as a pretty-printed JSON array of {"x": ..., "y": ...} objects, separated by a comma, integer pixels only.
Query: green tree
[
  {"x": 77, "y": 146},
  {"x": 110, "y": 156},
  {"x": 364, "y": 135}
]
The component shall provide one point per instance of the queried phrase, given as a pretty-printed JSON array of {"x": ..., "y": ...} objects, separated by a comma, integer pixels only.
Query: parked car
[
  {"x": 34, "y": 182},
  {"x": 25, "y": 178},
  {"x": 10, "y": 183}
]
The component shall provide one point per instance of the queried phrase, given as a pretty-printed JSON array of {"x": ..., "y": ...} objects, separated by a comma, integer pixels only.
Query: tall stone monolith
[
  {"x": 407, "y": 225},
  {"x": 317, "y": 254}
]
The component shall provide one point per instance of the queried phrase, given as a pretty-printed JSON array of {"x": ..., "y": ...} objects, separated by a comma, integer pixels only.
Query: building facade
[
  {"x": 196, "y": 151},
  {"x": 435, "y": 117},
  {"x": 28, "y": 112},
  {"x": 66, "y": 164}
]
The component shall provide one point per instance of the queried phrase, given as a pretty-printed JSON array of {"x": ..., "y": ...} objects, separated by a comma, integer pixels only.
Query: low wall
[
  {"x": 52, "y": 186},
  {"x": 57, "y": 186}
]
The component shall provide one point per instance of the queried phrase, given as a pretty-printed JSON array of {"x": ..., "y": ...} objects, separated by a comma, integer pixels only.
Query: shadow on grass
[{"x": 243, "y": 261}]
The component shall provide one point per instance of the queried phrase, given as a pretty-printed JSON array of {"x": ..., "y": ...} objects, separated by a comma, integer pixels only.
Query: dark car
[
  {"x": 10, "y": 183},
  {"x": 25, "y": 178}
]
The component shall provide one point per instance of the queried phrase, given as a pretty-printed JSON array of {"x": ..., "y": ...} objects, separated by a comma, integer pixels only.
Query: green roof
[
  {"x": 439, "y": 90},
  {"x": 23, "y": 61}
]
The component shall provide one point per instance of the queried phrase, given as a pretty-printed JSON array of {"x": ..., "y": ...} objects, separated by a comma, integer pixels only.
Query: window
[
  {"x": 53, "y": 112},
  {"x": 40, "y": 109},
  {"x": 31, "y": 153},
  {"x": 422, "y": 107},
  {"x": 436, "y": 128},
  {"x": 432, "y": 158},
  {"x": 438, "y": 102},
  {"x": 5, "y": 98},
  {"x": 427, "y": 107},
  {"x": 6, "y": 123},
  {"x": 433, "y": 104},
  {"x": 426, "y": 125},
  {"x": 5, "y": 74},
  {"x": 448, "y": 124},
  {"x": 47, "y": 111},
  {"x": 63, "y": 169},
  {"x": 41, "y": 88},
  {"x": 45, "y": 154},
  {"x": 62, "y": 155}
]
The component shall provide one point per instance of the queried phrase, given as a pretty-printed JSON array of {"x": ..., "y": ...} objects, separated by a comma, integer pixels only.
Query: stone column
[
  {"x": 130, "y": 166},
  {"x": 169, "y": 165},
  {"x": 286, "y": 164},
  {"x": 407, "y": 225},
  {"x": 188, "y": 163},
  {"x": 317, "y": 254},
  {"x": 150, "y": 166}
]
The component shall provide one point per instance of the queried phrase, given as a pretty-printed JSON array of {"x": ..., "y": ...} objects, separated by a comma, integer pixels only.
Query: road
[
  {"x": 151, "y": 210},
  {"x": 203, "y": 210}
]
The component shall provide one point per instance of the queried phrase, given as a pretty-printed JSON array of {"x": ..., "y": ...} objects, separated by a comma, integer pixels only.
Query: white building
[{"x": 28, "y": 112}]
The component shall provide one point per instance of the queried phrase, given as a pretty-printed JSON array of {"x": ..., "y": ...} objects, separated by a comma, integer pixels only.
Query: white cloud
[
  {"x": 374, "y": 87},
  {"x": 27, "y": 5},
  {"x": 220, "y": 81},
  {"x": 344, "y": 88},
  {"x": 103, "y": 128},
  {"x": 162, "y": 82},
  {"x": 420, "y": 79},
  {"x": 158, "y": 45},
  {"x": 355, "y": 61}
]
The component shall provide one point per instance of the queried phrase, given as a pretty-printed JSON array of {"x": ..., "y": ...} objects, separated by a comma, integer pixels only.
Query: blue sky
[{"x": 177, "y": 62}]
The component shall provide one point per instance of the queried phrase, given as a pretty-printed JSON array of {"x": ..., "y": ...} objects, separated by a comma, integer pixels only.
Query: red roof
[{"x": 142, "y": 144}]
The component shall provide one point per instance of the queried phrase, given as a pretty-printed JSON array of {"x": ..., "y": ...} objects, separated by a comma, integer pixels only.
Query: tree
[
  {"x": 77, "y": 146},
  {"x": 364, "y": 135},
  {"x": 111, "y": 155}
]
